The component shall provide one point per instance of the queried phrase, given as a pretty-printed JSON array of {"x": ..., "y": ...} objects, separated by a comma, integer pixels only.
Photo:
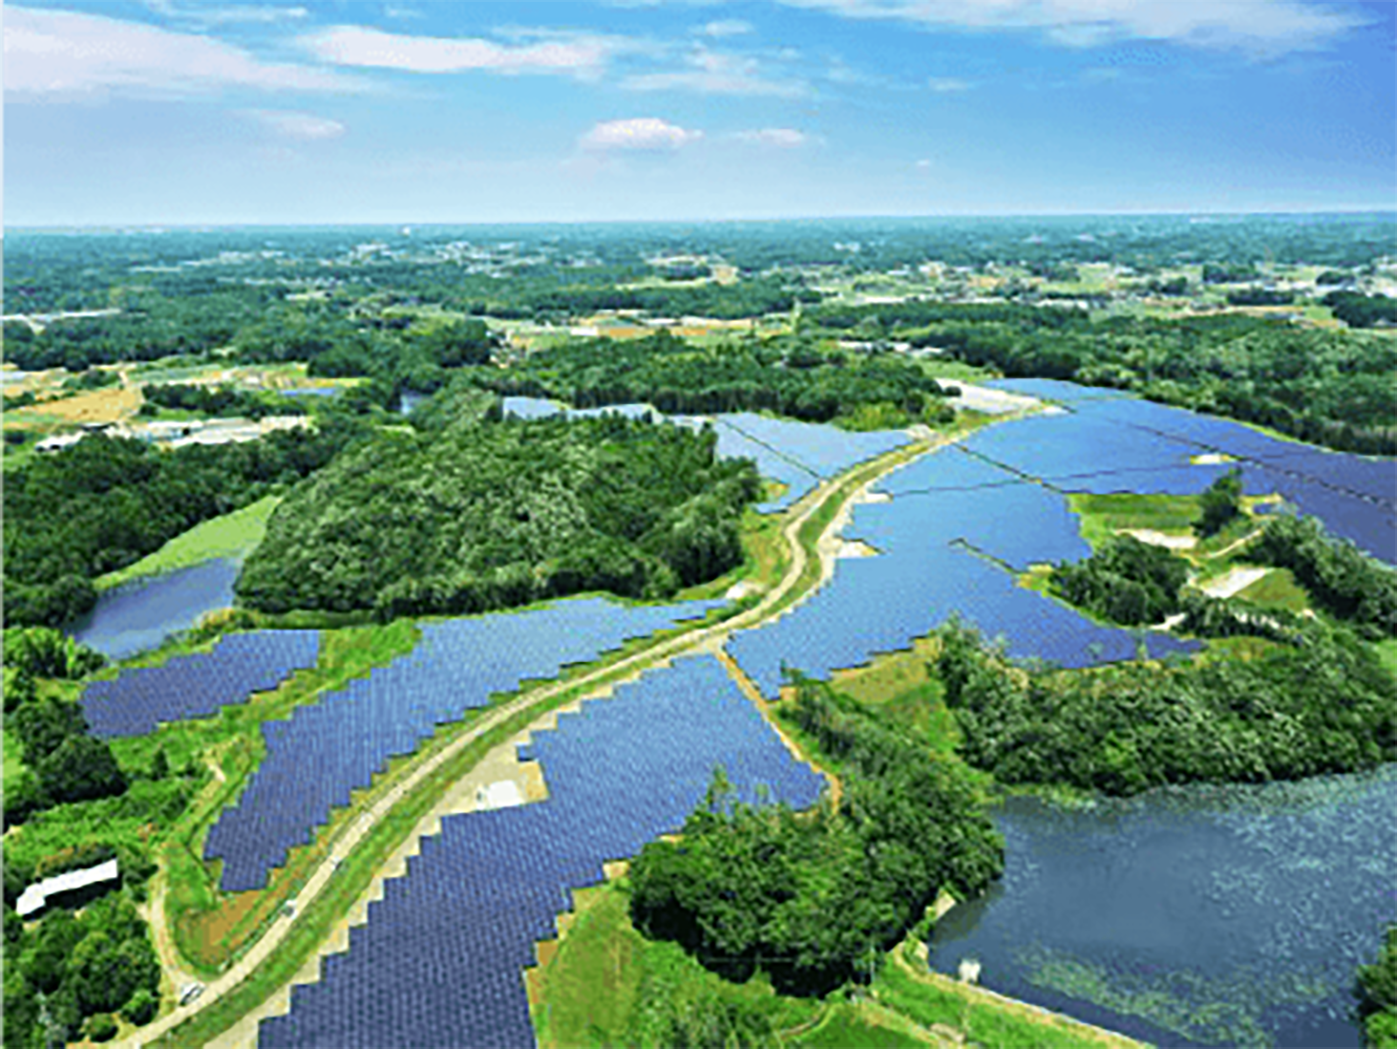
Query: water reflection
[
  {"x": 140, "y": 615},
  {"x": 1210, "y": 915}
]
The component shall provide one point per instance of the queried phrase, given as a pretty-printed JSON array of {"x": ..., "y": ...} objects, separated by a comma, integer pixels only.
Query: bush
[
  {"x": 102, "y": 1027},
  {"x": 141, "y": 1008}
]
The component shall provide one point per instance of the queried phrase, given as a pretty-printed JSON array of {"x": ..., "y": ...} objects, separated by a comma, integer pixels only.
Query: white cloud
[
  {"x": 293, "y": 124},
  {"x": 712, "y": 73},
  {"x": 62, "y": 53},
  {"x": 949, "y": 85},
  {"x": 638, "y": 133},
  {"x": 1257, "y": 27},
  {"x": 580, "y": 55},
  {"x": 234, "y": 14},
  {"x": 923, "y": 164},
  {"x": 782, "y": 138},
  {"x": 725, "y": 27}
]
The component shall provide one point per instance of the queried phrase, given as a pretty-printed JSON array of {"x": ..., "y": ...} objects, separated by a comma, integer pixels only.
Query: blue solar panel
[
  {"x": 935, "y": 541},
  {"x": 1111, "y": 443},
  {"x": 316, "y": 759},
  {"x": 821, "y": 448},
  {"x": 438, "y": 964},
  {"x": 200, "y": 684}
]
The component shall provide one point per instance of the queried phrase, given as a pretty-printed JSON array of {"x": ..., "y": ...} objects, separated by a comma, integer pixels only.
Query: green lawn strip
[
  {"x": 936, "y": 1001},
  {"x": 1103, "y": 515},
  {"x": 862, "y": 1026},
  {"x": 1278, "y": 588},
  {"x": 606, "y": 986},
  {"x": 225, "y": 536}
]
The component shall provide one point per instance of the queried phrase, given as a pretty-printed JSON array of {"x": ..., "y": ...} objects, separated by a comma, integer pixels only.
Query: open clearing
[
  {"x": 226, "y": 536},
  {"x": 1237, "y": 580}
]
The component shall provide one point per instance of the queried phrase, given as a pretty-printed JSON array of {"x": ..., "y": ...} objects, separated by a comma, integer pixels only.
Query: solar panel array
[
  {"x": 192, "y": 685},
  {"x": 326, "y": 751},
  {"x": 438, "y": 964},
  {"x": 821, "y": 448},
  {"x": 1110, "y": 443},
  {"x": 935, "y": 558}
]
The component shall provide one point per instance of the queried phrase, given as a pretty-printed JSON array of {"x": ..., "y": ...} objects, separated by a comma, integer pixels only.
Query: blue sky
[{"x": 171, "y": 111}]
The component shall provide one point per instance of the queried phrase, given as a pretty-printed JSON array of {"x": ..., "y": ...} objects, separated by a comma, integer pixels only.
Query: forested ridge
[
  {"x": 483, "y": 515},
  {"x": 1333, "y": 388},
  {"x": 1322, "y": 706}
]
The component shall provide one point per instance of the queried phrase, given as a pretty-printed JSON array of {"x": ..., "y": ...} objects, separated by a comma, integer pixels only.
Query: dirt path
[
  {"x": 1237, "y": 580},
  {"x": 1238, "y": 544},
  {"x": 1024, "y": 1009},
  {"x": 345, "y": 841}
]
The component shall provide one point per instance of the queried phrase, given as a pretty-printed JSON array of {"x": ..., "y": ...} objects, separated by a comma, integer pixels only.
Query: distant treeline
[
  {"x": 787, "y": 376},
  {"x": 1333, "y": 388},
  {"x": 477, "y": 516},
  {"x": 223, "y": 400}
]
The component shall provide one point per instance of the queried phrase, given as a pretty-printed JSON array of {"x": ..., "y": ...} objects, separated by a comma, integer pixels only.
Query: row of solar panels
[
  {"x": 439, "y": 961},
  {"x": 316, "y": 759},
  {"x": 193, "y": 685}
]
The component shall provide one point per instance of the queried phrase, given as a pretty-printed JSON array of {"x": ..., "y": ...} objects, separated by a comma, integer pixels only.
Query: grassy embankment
[
  {"x": 356, "y": 871},
  {"x": 602, "y": 985},
  {"x": 223, "y": 537}
]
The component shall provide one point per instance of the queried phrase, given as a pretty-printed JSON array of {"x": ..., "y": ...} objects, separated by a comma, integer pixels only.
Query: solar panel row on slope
[
  {"x": 193, "y": 685},
  {"x": 326, "y": 751},
  {"x": 438, "y": 963}
]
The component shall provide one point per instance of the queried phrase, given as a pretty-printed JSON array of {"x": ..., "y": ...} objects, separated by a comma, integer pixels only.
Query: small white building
[{"x": 36, "y": 897}]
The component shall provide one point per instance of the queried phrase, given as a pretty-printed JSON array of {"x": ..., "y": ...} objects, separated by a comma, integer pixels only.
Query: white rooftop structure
[{"x": 36, "y": 896}]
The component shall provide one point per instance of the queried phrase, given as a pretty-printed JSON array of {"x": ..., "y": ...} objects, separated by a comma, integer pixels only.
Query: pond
[
  {"x": 1210, "y": 915},
  {"x": 140, "y": 615}
]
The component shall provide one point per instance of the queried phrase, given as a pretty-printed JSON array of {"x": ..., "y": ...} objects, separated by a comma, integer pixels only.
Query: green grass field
[
  {"x": 604, "y": 985},
  {"x": 976, "y": 1018},
  {"x": 1102, "y": 516},
  {"x": 1278, "y": 588},
  {"x": 226, "y": 536}
]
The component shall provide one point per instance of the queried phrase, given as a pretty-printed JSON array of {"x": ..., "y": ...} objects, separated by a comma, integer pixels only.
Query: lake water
[
  {"x": 1211, "y": 915},
  {"x": 139, "y": 615}
]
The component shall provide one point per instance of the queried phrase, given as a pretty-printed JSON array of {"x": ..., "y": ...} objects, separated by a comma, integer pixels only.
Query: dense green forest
[
  {"x": 790, "y": 377},
  {"x": 1376, "y": 986},
  {"x": 485, "y": 515},
  {"x": 106, "y": 502},
  {"x": 1340, "y": 578},
  {"x": 1125, "y": 580},
  {"x": 1333, "y": 388},
  {"x": 814, "y": 899},
  {"x": 1320, "y": 707}
]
